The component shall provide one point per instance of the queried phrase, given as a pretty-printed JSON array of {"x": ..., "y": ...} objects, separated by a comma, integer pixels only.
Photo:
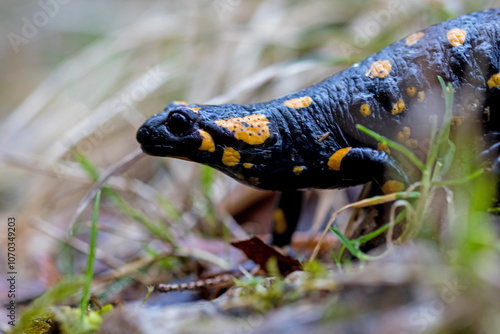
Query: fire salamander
[{"x": 309, "y": 139}]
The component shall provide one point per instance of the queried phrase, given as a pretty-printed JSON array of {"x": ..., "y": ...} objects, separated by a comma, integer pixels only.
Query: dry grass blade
[
  {"x": 77, "y": 244},
  {"x": 41, "y": 165},
  {"x": 106, "y": 111},
  {"x": 94, "y": 55},
  {"x": 260, "y": 77},
  {"x": 122, "y": 165},
  {"x": 131, "y": 269},
  {"x": 360, "y": 204}
]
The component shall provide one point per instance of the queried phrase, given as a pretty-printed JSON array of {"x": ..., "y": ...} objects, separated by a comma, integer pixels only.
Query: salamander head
[{"x": 240, "y": 141}]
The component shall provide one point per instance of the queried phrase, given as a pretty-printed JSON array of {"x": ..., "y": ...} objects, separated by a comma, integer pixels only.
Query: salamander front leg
[
  {"x": 285, "y": 218},
  {"x": 358, "y": 165}
]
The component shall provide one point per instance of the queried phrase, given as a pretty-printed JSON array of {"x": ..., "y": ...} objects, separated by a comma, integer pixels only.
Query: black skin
[{"x": 335, "y": 110}]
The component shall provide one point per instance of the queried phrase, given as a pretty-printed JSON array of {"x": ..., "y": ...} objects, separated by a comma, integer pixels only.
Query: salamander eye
[{"x": 179, "y": 123}]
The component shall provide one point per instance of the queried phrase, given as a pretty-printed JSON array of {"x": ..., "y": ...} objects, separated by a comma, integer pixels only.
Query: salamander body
[{"x": 309, "y": 139}]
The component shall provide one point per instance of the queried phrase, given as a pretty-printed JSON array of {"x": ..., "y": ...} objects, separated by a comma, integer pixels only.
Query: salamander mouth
[
  {"x": 149, "y": 139},
  {"x": 160, "y": 150}
]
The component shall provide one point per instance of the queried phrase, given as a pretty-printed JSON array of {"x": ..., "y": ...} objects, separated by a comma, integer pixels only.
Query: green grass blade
[
  {"x": 460, "y": 180},
  {"x": 354, "y": 244},
  {"x": 348, "y": 243},
  {"x": 91, "y": 258},
  {"x": 379, "y": 231},
  {"x": 169, "y": 208},
  {"x": 158, "y": 229},
  {"x": 87, "y": 165},
  {"x": 151, "y": 288},
  {"x": 447, "y": 159},
  {"x": 392, "y": 144},
  {"x": 207, "y": 178},
  {"x": 441, "y": 144}
]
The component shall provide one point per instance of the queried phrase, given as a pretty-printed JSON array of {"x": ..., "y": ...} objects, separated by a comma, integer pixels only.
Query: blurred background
[{"x": 79, "y": 77}]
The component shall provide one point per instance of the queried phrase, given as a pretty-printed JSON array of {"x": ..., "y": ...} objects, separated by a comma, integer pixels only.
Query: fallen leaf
[{"x": 260, "y": 253}]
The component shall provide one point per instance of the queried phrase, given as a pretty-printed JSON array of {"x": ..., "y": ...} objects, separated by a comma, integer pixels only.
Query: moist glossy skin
[{"x": 309, "y": 139}]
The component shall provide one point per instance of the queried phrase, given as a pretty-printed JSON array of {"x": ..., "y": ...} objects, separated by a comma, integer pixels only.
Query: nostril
[{"x": 143, "y": 135}]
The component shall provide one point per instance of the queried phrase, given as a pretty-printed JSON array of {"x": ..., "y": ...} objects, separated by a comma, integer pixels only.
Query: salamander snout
[
  {"x": 143, "y": 135},
  {"x": 151, "y": 130},
  {"x": 171, "y": 133}
]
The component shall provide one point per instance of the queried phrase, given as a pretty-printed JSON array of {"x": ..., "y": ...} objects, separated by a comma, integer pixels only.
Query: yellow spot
[
  {"x": 297, "y": 170},
  {"x": 280, "y": 224},
  {"x": 456, "y": 36},
  {"x": 252, "y": 129},
  {"x": 254, "y": 180},
  {"x": 392, "y": 186},
  {"x": 192, "y": 109},
  {"x": 230, "y": 157},
  {"x": 404, "y": 135},
  {"x": 411, "y": 91},
  {"x": 384, "y": 147},
  {"x": 414, "y": 38},
  {"x": 247, "y": 165},
  {"x": 411, "y": 143},
  {"x": 456, "y": 120},
  {"x": 207, "y": 143},
  {"x": 181, "y": 102},
  {"x": 420, "y": 96},
  {"x": 401, "y": 137},
  {"x": 379, "y": 68},
  {"x": 365, "y": 110},
  {"x": 299, "y": 102},
  {"x": 494, "y": 80},
  {"x": 407, "y": 132},
  {"x": 448, "y": 91},
  {"x": 240, "y": 177},
  {"x": 398, "y": 107},
  {"x": 336, "y": 158}
]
